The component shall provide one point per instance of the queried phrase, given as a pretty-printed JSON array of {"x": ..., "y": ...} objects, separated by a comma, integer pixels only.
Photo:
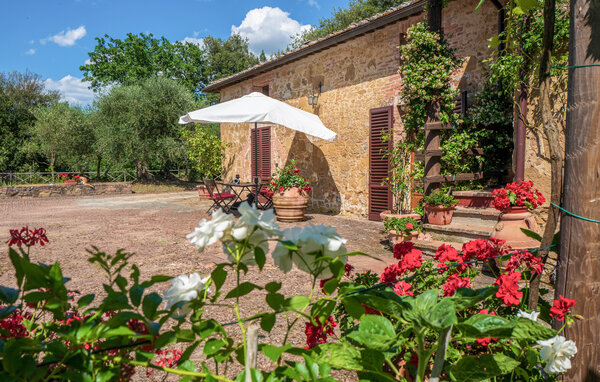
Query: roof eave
[{"x": 410, "y": 10}]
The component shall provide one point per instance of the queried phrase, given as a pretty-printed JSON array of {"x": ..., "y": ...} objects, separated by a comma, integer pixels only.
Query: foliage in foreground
[{"x": 435, "y": 327}]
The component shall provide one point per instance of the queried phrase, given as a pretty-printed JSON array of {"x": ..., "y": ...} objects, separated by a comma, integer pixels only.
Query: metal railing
[{"x": 23, "y": 178}]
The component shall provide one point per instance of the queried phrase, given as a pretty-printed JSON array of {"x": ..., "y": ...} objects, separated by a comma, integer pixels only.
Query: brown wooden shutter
[
  {"x": 380, "y": 197},
  {"x": 264, "y": 153}
]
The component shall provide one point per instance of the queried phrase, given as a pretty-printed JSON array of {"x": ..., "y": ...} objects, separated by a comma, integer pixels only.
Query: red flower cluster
[
  {"x": 508, "y": 289},
  {"x": 448, "y": 254},
  {"x": 454, "y": 282},
  {"x": 409, "y": 256},
  {"x": 13, "y": 324},
  {"x": 27, "y": 237},
  {"x": 317, "y": 334},
  {"x": 518, "y": 194},
  {"x": 486, "y": 341},
  {"x": 288, "y": 177},
  {"x": 479, "y": 249},
  {"x": 349, "y": 268},
  {"x": 402, "y": 288},
  {"x": 561, "y": 307},
  {"x": 525, "y": 259},
  {"x": 168, "y": 358}
]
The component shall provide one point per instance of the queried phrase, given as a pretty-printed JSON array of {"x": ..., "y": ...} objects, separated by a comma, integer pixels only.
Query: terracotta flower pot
[
  {"x": 438, "y": 215},
  {"x": 509, "y": 227},
  {"x": 71, "y": 182},
  {"x": 290, "y": 205},
  {"x": 203, "y": 192},
  {"x": 395, "y": 237}
]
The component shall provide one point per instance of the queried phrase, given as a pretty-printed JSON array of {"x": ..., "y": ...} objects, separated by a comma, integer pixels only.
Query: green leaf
[
  {"x": 289, "y": 245},
  {"x": 528, "y": 5},
  {"x": 267, "y": 322},
  {"x": 330, "y": 286},
  {"x": 260, "y": 257},
  {"x": 532, "y": 234},
  {"x": 374, "y": 332},
  {"x": 466, "y": 297},
  {"x": 218, "y": 276},
  {"x": 154, "y": 280},
  {"x": 273, "y": 287},
  {"x": 205, "y": 328},
  {"x": 486, "y": 325},
  {"x": 8, "y": 295},
  {"x": 296, "y": 303},
  {"x": 353, "y": 307},
  {"x": 275, "y": 300},
  {"x": 121, "y": 282},
  {"x": 442, "y": 315},
  {"x": 242, "y": 290},
  {"x": 135, "y": 295},
  {"x": 7, "y": 311},
  {"x": 531, "y": 330},
  {"x": 85, "y": 300},
  {"x": 473, "y": 369},
  {"x": 150, "y": 304},
  {"x": 212, "y": 346},
  {"x": 119, "y": 331},
  {"x": 274, "y": 352}
]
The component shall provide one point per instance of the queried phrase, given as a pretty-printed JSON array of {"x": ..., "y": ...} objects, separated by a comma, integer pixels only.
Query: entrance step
[
  {"x": 484, "y": 217},
  {"x": 476, "y": 198},
  {"x": 458, "y": 233}
]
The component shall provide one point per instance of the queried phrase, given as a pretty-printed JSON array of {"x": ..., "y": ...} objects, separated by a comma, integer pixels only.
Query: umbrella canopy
[{"x": 259, "y": 108}]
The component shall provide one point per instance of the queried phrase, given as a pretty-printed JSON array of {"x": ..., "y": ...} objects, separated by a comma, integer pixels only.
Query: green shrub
[
  {"x": 440, "y": 198},
  {"x": 400, "y": 225}
]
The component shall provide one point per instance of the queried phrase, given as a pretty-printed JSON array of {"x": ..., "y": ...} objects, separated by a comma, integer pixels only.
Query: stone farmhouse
[{"x": 354, "y": 73}]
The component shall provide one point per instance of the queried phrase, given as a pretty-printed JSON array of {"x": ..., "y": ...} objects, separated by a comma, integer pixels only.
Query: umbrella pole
[{"x": 256, "y": 164}]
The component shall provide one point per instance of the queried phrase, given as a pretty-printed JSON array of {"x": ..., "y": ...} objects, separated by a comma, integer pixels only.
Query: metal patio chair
[{"x": 222, "y": 200}]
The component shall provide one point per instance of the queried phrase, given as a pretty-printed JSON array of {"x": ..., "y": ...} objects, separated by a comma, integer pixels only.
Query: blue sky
[{"x": 52, "y": 38}]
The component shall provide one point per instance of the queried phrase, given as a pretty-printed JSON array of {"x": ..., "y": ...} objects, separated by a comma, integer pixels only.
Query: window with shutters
[
  {"x": 264, "y": 153},
  {"x": 380, "y": 196}
]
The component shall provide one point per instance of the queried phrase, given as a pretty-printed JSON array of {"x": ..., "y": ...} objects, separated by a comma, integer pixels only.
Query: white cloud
[
  {"x": 30, "y": 51},
  {"x": 313, "y": 3},
  {"x": 268, "y": 29},
  {"x": 72, "y": 89},
  {"x": 87, "y": 62},
  {"x": 194, "y": 39},
  {"x": 66, "y": 38}
]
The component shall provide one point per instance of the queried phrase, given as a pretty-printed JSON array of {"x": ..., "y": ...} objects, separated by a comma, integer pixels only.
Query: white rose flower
[
  {"x": 265, "y": 220},
  {"x": 184, "y": 289},
  {"x": 533, "y": 316},
  {"x": 282, "y": 257},
  {"x": 211, "y": 231},
  {"x": 556, "y": 352}
]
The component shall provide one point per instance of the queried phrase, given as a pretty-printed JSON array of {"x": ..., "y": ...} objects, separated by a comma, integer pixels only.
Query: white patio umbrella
[{"x": 259, "y": 108}]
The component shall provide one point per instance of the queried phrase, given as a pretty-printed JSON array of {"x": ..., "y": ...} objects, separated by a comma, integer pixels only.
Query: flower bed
[{"x": 401, "y": 318}]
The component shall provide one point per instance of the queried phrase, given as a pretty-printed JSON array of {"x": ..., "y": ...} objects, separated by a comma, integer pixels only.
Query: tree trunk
[
  {"x": 579, "y": 255},
  {"x": 553, "y": 137},
  {"x": 139, "y": 170}
]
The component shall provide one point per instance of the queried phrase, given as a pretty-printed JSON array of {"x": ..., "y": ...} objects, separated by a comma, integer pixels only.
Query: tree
[
  {"x": 228, "y": 57},
  {"x": 343, "y": 17},
  {"x": 20, "y": 95},
  {"x": 139, "y": 123},
  {"x": 138, "y": 57},
  {"x": 205, "y": 151},
  {"x": 63, "y": 135}
]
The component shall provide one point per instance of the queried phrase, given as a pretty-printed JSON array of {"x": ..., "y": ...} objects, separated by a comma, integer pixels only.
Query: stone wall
[
  {"x": 54, "y": 190},
  {"x": 357, "y": 75}
]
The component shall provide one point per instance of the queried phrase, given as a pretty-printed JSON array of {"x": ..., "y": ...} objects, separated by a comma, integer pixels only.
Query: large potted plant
[
  {"x": 439, "y": 207},
  {"x": 290, "y": 193},
  {"x": 516, "y": 200},
  {"x": 401, "y": 229}
]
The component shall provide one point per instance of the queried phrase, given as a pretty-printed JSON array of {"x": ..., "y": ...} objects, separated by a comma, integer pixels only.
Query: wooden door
[
  {"x": 380, "y": 196},
  {"x": 264, "y": 153}
]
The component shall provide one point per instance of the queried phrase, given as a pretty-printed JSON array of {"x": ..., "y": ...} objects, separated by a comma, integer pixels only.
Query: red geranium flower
[
  {"x": 454, "y": 282},
  {"x": 508, "y": 289},
  {"x": 402, "y": 288},
  {"x": 27, "y": 237},
  {"x": 525, "y": 259},
  {"x": 317, "y": 334},
  {"x": 561, "y": 307},
  {"x": 390, "y": 273},
  {"x": 409, "y": 256},
  {"x": 349, "y": 268},
  {"x": 409, "y": 226},
  {"x": 479, "y": 249}
]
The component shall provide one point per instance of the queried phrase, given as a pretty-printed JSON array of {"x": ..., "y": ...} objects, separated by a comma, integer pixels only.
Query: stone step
[
  {"x": 458, "y": 233},
  {"x": 476, "y": 198},
  {"x": 485, "y": 217}
]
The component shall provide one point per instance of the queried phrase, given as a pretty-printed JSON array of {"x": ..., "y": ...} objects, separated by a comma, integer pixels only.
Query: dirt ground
[{"x": 153, "y": 226}]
